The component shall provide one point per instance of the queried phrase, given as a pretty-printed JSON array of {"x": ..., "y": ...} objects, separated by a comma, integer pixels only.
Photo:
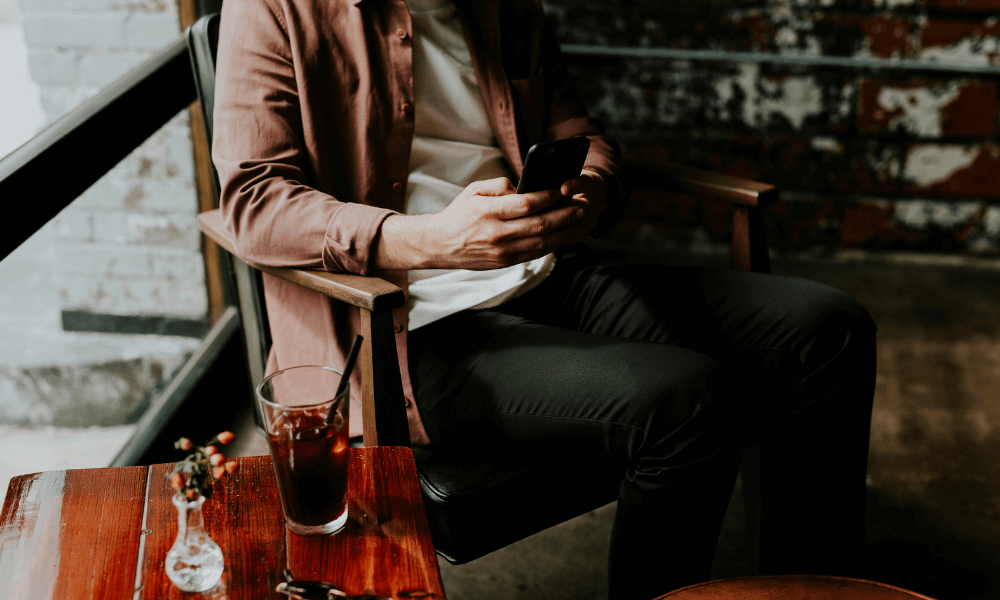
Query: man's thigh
[
  {"x": 487, "y": 379},
  {"x": 599, "y": 347},
  {"x": 779, "y": 340},
  {"x": 708, "y": 310}
]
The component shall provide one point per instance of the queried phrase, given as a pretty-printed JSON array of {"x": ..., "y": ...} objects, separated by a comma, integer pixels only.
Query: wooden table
[
  {"x": 104, "y": 533},
  {"x": 792, "y": 587}
]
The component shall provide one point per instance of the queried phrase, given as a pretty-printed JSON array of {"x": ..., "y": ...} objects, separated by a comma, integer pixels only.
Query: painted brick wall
[
  {"x": 866, "y": 158},
  {"x": 130, "y": 245}
]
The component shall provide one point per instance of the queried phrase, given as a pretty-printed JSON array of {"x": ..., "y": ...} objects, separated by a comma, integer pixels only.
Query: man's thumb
[{"x": 501, "y": 186}]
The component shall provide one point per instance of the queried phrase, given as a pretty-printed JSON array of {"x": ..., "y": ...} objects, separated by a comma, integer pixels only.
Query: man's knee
[
  {"x": 831, "y": 319},
  {"x": 836, "y": 359},
  {"x": 680, "y": 404}
]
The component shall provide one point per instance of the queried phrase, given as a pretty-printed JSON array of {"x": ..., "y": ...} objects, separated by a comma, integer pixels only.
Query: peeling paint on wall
[
  {"x": 965, "y": 52},
  {"x": 918, "y": 110},
  {"x": 991, "y": 221},
  {"x": 734, "y": 91},
  {"x": 961, "y": 42},
  {"x": 791, "y": 98},
  {"x": 919, "y": 214},
  {"x": 875, "y": 159},
  {"x": 929, "y": 108},
  {"x": 826, "y": 144},
  {"x": 890, "y": 4},
  {"x": 928, "y": 165}
]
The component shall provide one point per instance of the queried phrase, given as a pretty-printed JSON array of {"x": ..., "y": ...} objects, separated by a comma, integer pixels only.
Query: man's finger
[
  {"x": 577, "y": 185},
  {"x": 501, "y": 186},
  {"x": 530, "y": 248},
  {"x": 542, "y": 223},
  {"x": 513, "y": 206}
]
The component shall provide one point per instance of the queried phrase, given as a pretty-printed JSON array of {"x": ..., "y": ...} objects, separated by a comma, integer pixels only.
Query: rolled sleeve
[{"x": 349, "y": 244}]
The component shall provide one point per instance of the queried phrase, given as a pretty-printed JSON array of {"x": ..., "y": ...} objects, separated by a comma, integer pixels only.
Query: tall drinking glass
[{"x": 306, "y": 427}]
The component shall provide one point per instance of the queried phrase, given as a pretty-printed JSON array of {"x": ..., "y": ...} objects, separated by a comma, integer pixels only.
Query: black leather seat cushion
[{"x": 478, "y": 503}]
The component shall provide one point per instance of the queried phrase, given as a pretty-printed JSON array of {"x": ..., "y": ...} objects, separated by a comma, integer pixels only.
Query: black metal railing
[
  {"x": 50, "y": 171},
  {"x": 47, "y": 173}
]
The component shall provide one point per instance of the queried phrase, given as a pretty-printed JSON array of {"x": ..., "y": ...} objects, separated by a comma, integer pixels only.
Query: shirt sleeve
[{"x": 273, "y": 215}]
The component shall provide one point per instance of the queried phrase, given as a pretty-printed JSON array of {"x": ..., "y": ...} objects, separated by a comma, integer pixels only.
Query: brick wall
[
  {"x": 866, "y": 158},
  {"x": 129, "y": 247},
  {"x": 873, "y": 159}
]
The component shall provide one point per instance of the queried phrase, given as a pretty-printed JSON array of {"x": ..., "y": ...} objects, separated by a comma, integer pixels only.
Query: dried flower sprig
[{"x": 206, "y": 464}]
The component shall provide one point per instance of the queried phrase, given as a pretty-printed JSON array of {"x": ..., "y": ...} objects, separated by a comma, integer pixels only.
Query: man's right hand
[{"x": 487, "y": 226}]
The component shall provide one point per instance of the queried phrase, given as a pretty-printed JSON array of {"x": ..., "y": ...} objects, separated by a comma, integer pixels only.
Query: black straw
[{"x": 352, "y": 357}]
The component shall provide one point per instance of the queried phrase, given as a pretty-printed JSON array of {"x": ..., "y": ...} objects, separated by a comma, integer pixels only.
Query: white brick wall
[
  {"x": 106, "y": 261},
  {"x": 52, "y": 66},
  {"x": 130, "y": 244},
  {"x": 128, "y": 297},
  {"x": 145, "y": 229},
  {"x": 84, "y": 31},
  {"x": 131, "y": 241},
  {"x": 88, "y": 43},
  {"x": 58, "y": 99},
  {"x": 42, "y": 5},
  {"x": 150, "y": 31},
  {"x": 98, "y": 68}
]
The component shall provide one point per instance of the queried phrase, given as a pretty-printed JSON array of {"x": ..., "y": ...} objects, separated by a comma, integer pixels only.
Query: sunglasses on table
[{"x": 320, "y": 590}]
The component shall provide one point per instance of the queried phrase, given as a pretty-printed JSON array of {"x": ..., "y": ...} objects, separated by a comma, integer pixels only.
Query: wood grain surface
[
  {"x": 385, "y": 548},
  {"x": 243, "y": 517},
  {"x": 71, "y": 534},
  {"x": 104, "y": 533},
  {"x": 792, "y": 587},
  {"x": 383, "y": 407},
  {"x": 371, "y": 293},
  {"x": 647, "y": 173}
]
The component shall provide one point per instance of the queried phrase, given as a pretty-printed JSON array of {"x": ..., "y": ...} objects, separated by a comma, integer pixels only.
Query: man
[{"x": 381, "y": 136}]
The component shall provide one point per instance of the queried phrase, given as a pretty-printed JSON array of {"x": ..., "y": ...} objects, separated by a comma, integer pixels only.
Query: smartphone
[{"x": 551, "y": 164}]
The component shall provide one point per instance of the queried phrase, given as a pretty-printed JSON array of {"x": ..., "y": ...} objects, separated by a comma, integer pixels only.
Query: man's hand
[
  {"x": 589, "y": 193},
  {"x": 487, "y": 226}
]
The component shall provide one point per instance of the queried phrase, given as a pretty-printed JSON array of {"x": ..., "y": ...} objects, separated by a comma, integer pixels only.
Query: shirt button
[
  {"x": 397, "y": 187},
  {"x": 407, "y": 108},
  {"x": 396, "y": 327},
  {"x": 401, "y": 33}
]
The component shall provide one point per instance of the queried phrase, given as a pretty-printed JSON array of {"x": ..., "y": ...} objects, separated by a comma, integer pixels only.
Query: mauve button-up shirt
[{"x": 313, "y": 127}]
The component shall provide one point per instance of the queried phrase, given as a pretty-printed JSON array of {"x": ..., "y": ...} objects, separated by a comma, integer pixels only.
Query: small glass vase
[{"x": 194, "y": 562}]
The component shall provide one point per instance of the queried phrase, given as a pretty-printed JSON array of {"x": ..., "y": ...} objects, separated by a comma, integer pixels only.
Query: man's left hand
[{"x": 589, "y": 192}]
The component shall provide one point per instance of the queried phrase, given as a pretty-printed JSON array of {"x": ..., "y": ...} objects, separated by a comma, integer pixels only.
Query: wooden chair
[{"x": 475, "y": 504}]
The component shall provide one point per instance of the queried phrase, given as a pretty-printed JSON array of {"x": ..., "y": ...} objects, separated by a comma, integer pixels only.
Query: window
[{"x": 99, "y": 308}]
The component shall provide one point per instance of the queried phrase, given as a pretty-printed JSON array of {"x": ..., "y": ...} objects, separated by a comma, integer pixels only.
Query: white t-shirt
[{"x": 453, "y": 146}]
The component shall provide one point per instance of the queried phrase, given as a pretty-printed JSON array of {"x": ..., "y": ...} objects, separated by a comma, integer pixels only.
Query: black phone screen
[{"x": 551, "y": 164}]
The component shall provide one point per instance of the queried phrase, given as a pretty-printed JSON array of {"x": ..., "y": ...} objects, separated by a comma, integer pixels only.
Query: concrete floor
[
  {"x": 934, "y": 498},
  {"x": 934, "y": 493}
]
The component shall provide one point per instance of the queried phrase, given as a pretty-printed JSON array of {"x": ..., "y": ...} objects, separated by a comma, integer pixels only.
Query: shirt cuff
[{"x": 350, "y": 237}]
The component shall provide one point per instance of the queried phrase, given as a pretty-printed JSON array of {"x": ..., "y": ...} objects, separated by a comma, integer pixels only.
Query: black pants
[{"x": 673, "y": 371}]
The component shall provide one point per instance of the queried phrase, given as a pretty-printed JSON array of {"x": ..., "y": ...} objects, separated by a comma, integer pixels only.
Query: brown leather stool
[{"x": 792, "y": 587}]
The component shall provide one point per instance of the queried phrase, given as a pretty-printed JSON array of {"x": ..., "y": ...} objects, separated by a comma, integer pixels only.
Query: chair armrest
[
  {"x": 674, "y": 178},
  {"x": 371, "y": 293}
]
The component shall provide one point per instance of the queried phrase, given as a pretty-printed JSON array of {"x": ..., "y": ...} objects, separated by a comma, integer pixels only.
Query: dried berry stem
[{"x": 196, "y": 473}]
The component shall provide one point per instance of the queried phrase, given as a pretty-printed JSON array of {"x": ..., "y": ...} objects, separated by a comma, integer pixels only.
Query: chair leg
[
  {"x": 750, "y": 475},
  {"x": 383, "y": 408}
]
